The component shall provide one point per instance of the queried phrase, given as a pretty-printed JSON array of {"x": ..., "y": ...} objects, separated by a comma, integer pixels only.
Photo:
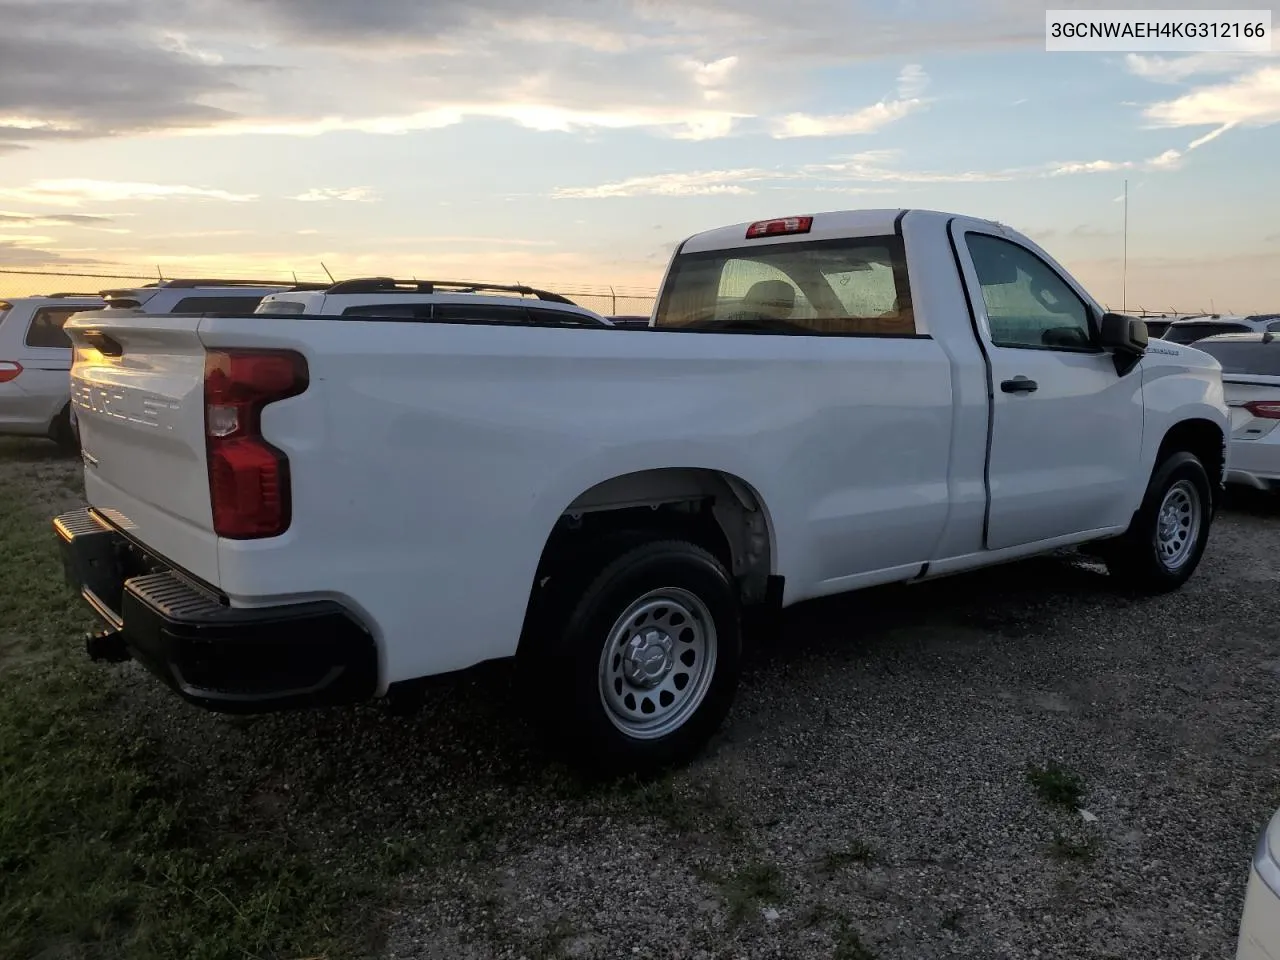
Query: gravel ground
[{"x": 869, "y": 796}]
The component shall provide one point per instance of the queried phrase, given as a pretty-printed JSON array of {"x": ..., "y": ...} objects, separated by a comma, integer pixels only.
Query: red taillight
[
  {"x": 248, "y": 477},
  {"x": 1266, "y": 409},
  {"x": 775, "y": 228},
  {"x": 9, "y": 370}
]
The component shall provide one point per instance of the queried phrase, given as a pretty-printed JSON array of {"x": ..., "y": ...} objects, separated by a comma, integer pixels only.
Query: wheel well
[
  {"x": 1206, "y": 441},
  {"x": 716, "y": 510}
]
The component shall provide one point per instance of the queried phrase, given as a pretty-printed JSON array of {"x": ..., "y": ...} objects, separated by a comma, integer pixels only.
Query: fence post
[{"x": 613, "y": 299}]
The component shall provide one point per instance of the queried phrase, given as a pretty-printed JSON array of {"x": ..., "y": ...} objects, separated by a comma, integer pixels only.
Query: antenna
[
  {"x": 158, "y": 273},
  {"x": 295, "y": 277},
  {"x": 327, "y": 273},
  {"x": 1124, "y": 271}
]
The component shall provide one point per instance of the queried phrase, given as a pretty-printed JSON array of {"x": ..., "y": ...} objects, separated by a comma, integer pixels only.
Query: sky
[{"x": 573, "y": 143}]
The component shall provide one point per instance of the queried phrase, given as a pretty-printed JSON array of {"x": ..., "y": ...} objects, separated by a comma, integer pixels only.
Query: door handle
[{"x": 1019, "y": 384}]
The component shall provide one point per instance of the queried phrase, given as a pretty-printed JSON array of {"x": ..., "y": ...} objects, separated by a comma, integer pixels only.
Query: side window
[
  {"x": 217, "y": 305},
  {"x": 1273, "y": 326},
  {"x": 46, "y": 328},
  {"x": 559, "y": 317},
  {"x": 480, "y": 312},
  {"x": 408, "y": 311},
  {"x": 1028, "y": 303}
]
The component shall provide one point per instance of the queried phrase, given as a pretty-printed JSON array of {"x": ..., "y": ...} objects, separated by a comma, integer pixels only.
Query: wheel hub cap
[
  {"x": 657, "y": 662},
  {"x": 648, "y": 658}
]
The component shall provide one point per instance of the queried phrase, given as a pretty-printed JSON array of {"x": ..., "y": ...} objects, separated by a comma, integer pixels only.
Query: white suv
[
  {"x": 444, "y": 301},
  {"x": 35, "y": 364},
  {"x": 35, "y": 355},
  {"x": 198, "y": 296}
]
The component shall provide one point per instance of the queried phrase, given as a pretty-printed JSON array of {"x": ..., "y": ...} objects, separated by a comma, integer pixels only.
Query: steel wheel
[
  {"x": 1177, "y": 525},
  {"x": 658, "y": 663}
]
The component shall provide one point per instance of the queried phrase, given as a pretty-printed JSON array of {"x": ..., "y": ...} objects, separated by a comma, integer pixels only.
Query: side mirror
[{"x": 1126, "y": 337}]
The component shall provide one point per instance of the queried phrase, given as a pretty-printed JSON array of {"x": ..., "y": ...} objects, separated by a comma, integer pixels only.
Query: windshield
[{"x": 817, "y": 287}]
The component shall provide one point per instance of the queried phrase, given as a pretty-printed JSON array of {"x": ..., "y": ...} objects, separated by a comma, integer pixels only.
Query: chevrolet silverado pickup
[{"x": 320, "y": 510}]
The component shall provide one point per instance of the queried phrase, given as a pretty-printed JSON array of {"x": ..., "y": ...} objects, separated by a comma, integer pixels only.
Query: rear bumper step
[{"x": 216, "y": 656}]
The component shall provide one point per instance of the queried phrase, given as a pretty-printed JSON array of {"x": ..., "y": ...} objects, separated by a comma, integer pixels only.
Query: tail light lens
[
  {"x": 248, "y": 477},
  {"x": 9, "y": 370},
  {"x": 1266, "y": 409}
]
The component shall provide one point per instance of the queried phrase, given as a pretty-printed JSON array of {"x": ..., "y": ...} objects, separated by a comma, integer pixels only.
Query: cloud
[
  {"x": 74, "y": 69},
  {"x": 1252, "y": 99},
  {"x": 697, "y": 184},
  {"x": 357, "y": 194},
  {"x": 1178, "y": 69},
  {"x": 72, "y": 193},
  {"x": 19, "y": 255},
  {"x": 847, "y": 174},
  {"x": 8, "y": 220},
  {"x": 912, "y": 81}
]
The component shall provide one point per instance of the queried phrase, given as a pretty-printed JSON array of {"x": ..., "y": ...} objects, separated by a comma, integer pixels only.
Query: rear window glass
[
  {"x": 818, "y": 287},
  {"x": 1245, "y": 356},
  {"x": 46, "y": 327},
  {"x": 217, "y": 305},
  {"x": 1191, "y": 332}
]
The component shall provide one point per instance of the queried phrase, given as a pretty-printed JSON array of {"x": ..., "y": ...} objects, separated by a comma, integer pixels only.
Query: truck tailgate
[{"x": 137, "y": 384}]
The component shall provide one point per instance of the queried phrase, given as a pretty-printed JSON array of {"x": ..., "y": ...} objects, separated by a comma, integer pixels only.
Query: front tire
[
  {"x": 1168, "y": 535},
  {"x": 642, "y": 662}
]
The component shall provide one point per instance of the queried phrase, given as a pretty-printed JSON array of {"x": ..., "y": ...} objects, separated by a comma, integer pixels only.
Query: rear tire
[
  {"x": 1167, "y": 538},
  {"x": 63, "y": 433},
  {"x": 637, "y": 655}
]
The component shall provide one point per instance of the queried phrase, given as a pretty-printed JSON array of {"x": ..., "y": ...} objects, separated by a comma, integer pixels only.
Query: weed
[
  {"x": 849, "y": 945},
  {"x": 1057, "y": 786},
  {"x": 1069, "y": 848},
  {"x": 856, "y": 852},
  {"x": 746, "y": 890}
]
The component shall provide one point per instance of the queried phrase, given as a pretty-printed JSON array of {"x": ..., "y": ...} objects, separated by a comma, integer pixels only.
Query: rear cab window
[{"x": 817, "y": 288}]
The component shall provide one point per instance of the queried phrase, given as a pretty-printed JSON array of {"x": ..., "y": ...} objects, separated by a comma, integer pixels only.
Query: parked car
[
  {"x": 1189, "y": 331},
  {"x": 440, "y": 300},
  {"x": 35, "y": 361},
  {"x": 1259, "y": 937},
  {"x": 198, "y": 296},
  {"x": 344, "y": 507},
  {"x": 1251, "y": 385}
]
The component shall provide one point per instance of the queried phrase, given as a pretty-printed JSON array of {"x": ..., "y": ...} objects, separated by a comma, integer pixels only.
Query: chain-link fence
[{"x": 610, "y": 301}]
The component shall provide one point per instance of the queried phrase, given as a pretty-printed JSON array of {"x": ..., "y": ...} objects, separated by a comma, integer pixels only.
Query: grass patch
[
  {"x": 107, "y": 850},
  {"x": 1057, "y": 786},
  {"x": 856, "y": 852},
  {"x": 1070, "y": 849},
  {"x": 747, "y": 890},
  {"x": 849, "y": 945}
]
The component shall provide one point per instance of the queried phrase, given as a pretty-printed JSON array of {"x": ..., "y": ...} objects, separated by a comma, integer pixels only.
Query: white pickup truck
[{"x": 289, "y": 511}]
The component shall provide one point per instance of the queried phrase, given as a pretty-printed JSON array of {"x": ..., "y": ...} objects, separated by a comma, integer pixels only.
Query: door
[{"x": 1066, "y": 429}]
